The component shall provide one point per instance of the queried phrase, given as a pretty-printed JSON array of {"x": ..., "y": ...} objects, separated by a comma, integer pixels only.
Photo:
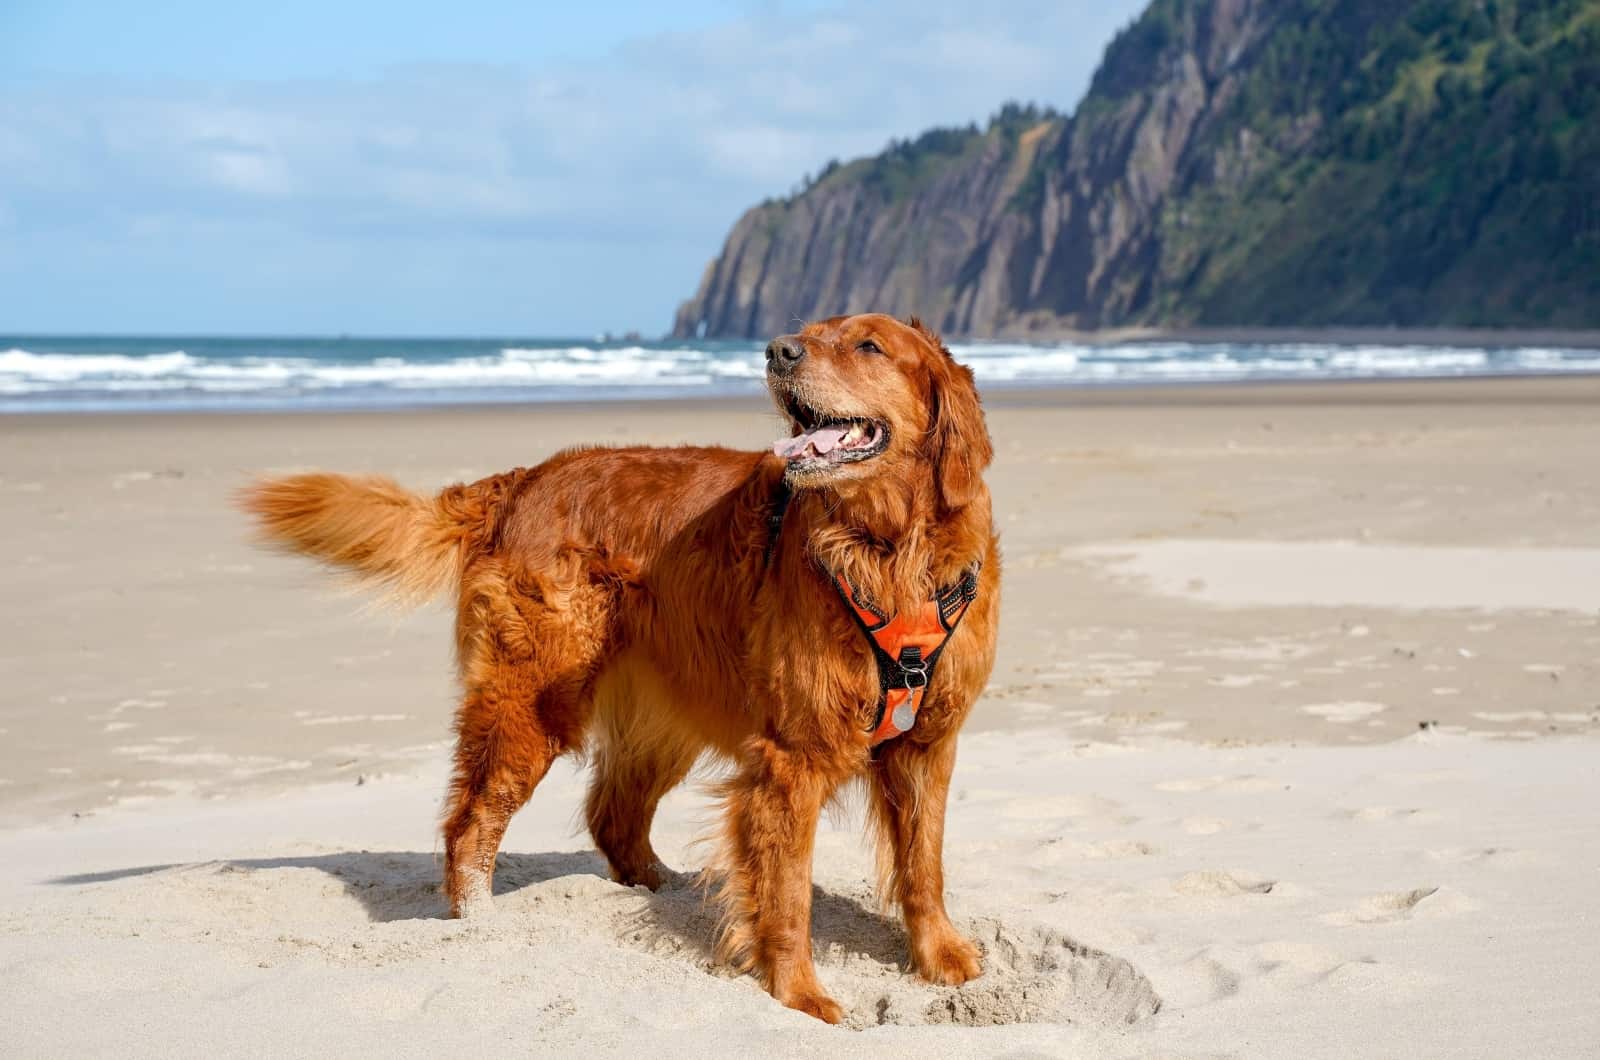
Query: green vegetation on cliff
[
  {"x": 1439, "y": 165},
  {"x": 1235, "y": 162}
]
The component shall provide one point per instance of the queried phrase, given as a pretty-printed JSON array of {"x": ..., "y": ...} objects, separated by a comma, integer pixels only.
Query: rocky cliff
[{"x": 1235, "y": 162}]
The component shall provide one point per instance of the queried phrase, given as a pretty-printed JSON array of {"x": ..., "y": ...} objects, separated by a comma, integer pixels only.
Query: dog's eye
[{"x": 867, "y": 346}]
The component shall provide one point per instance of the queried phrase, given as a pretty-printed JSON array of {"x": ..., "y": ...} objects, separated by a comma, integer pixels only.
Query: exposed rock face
[
  {"x": 1235, "y": 162},
  {"x": 852, "y": 241}
]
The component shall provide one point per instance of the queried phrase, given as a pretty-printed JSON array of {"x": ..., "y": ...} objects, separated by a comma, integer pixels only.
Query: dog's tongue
[{"x": 823, "y": 440}]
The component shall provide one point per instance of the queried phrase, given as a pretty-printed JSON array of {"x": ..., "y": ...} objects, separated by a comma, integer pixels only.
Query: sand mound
[{"x": 376, "y": 909}]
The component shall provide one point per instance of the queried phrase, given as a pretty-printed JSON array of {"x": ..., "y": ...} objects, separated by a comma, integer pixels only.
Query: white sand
[
  {"x": 1310, "y": 875},
  {"x": 1430, "y": 897},
  {"x": 1351, "y": 574}
]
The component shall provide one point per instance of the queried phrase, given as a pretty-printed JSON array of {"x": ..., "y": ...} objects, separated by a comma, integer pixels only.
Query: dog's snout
[{"x": 784, "y": 352}]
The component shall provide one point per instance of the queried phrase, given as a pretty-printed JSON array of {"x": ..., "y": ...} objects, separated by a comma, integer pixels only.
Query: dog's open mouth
[{"x": 826, "y": 440}]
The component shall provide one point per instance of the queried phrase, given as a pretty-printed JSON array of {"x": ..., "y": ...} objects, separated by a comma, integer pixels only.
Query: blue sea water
[{"x": 110, "y": 373}]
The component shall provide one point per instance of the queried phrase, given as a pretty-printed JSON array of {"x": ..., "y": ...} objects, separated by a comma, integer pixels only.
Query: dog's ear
[{"x": 958, "y": 436}]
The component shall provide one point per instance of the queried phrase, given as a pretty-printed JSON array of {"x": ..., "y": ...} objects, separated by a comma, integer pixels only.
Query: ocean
[{"x": 111, "y": 373}]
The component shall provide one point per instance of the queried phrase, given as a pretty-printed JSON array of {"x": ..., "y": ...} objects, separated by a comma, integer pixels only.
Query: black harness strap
[{"x": 780, "y": 507}]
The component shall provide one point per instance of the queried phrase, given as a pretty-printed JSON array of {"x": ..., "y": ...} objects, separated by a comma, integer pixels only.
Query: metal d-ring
[{"x": 905, "y": 715}]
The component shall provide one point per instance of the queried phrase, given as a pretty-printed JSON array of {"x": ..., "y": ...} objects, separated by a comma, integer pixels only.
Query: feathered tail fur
[{"x": 412, "y": 547}]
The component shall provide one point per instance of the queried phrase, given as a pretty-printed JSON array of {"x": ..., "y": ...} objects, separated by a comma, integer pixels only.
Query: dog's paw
[
  {"x": 648, "y": 876},
  {"x": 475, "y": 901},
  {"x": 815, "y": 1003},
  {"x": 478, "y": 908},
  {"x": 948, "y": 959}
]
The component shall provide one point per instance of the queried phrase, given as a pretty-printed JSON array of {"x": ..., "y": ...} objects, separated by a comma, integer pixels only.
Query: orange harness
[{"x": 907, "y": 647}]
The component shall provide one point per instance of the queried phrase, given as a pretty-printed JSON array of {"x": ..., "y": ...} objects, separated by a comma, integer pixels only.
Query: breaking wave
[{"x": 142, "y": 373}]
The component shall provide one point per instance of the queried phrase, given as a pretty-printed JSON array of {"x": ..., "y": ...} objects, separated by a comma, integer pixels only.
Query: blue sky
[{"x": 482, "y": 168}]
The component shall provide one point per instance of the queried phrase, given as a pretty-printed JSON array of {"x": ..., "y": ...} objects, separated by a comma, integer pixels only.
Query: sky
[{"x": 480, "y": 168}]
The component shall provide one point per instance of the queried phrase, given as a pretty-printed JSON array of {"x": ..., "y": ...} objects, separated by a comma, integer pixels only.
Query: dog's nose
[{"x": 784, "y": 352}]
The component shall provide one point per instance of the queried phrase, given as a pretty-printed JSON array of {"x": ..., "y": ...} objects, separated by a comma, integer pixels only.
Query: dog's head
[{"x": 868, "y": 396}]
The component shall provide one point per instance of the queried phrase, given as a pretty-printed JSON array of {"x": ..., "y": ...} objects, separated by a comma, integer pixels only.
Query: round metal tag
[{"x": 904, "y": 716}]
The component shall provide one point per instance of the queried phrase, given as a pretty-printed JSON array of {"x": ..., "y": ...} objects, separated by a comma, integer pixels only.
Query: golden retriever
[{"x": 653, "y": 605}]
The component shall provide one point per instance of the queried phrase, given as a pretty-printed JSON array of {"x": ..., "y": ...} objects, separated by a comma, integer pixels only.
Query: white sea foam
[
  {"x": 68, "y": 367},
  {"x": 287, "y": 371},
  {"x": 22, "y": 371}
]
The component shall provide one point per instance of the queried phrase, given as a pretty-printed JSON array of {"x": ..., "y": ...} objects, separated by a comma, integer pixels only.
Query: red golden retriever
[{"x": 650, "y": 606}]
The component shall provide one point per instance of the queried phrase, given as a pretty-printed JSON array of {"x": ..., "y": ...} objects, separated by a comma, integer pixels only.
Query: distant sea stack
[{"x": 1263, "y": 163}]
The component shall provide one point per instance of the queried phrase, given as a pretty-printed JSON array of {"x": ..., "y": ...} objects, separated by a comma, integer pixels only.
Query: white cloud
[
  {"x": 250, "y": 172},
  {"x": 659, "y": 145}
]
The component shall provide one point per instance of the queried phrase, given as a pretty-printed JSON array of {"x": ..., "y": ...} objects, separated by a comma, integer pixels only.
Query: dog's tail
[{"x": 412, "y": 547}]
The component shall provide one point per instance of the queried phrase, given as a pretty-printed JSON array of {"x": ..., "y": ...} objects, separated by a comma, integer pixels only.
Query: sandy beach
[{"x": 1289, "y": 751}]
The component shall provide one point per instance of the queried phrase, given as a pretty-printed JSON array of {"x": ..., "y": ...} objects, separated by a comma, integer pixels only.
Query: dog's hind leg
[
  {"x": 632, "y": 771},
  {"x": 527, "y": 667},
  {"x": 502, "y": 752}
]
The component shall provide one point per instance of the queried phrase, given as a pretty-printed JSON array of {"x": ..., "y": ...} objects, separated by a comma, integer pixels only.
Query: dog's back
[{"x": 617, "y": 508}]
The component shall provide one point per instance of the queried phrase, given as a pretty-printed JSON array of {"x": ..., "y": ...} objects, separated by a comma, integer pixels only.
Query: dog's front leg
[
  {"x": 772, "y": 806},
  {"x": 909, "y": 784}
]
